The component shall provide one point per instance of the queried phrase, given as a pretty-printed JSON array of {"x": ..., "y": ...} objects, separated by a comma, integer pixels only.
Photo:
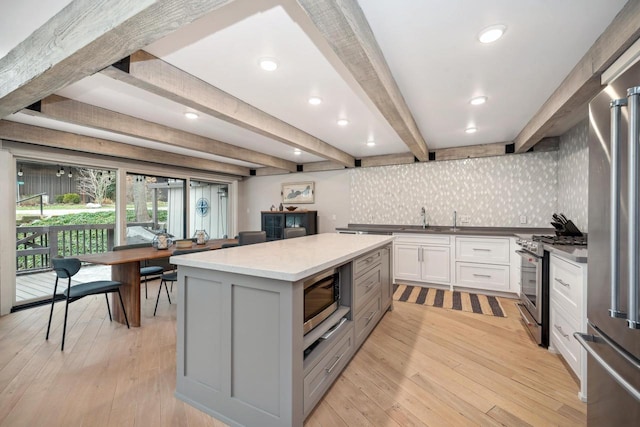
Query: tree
[{"x": 94, "y": 183}]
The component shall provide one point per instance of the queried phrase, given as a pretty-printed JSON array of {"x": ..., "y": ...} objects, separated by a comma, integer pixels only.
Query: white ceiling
[{"x": 429, "y": 45}]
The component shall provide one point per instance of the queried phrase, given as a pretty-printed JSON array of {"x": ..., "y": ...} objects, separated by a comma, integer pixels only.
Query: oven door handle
[{"x": 529, "y": 256}]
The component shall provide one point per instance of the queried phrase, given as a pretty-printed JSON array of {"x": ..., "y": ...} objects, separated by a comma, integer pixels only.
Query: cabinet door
[
  {"x": 406, "y": 264},
  {"x": 436, "y": 261},
  {"x": 272, "y": 224}
]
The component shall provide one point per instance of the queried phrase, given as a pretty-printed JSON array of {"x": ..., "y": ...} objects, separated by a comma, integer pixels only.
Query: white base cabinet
[
  {"x": 422, "y": 258},
  {"x": 483, "y": 263},
  {"x": 568, "y": 314}
]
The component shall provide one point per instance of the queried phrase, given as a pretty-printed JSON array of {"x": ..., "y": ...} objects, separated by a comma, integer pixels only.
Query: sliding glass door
[{"x": 155, "y": 205}]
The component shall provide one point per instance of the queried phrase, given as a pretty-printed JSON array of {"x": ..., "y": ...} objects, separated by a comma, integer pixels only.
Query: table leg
[{"x": 129, "y": 275}]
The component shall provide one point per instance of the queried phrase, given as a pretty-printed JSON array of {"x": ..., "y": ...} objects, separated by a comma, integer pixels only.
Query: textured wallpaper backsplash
[
  {"x": 488, "y": 192},
  {"x": 573, "y": 175}
]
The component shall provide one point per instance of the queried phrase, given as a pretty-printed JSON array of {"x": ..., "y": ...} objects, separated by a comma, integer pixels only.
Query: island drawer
[
  {"x": 367, "y": 320},
  {"x": 367, "y": 285},
  {"x": 366, "y": 262},
  {"x": 322, "y": 375}
]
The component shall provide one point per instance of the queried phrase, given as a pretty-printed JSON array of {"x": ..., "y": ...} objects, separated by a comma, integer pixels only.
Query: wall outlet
[
  {"x": 333, "y": 217},
  {"x": 465, "y": 219},
  {"x": 523, "y": 219}
]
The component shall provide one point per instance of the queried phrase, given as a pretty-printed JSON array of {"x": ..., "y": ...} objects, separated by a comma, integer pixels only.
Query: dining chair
[
  {"x": 66, "y": 268},
  {"x": 251, "y": 237},
  {"x": 173, "y": 275},
  {"x": 292, "y": 232},
  {"x": 146, "y": 269}
]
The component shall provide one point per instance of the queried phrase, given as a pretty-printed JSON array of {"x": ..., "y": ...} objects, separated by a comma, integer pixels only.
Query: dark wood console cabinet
[{"x": 274, "y": 222}]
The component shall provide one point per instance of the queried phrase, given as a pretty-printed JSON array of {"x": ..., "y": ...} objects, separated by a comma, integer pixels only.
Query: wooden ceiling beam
[
  {"x": 85, "y": 37},
  {"x": 54, "y": 138},
  {"x": 344, "y": 26},
  {"x": 71, "y": 111},
  {"x": 387, "y": 160},
  {"x": 583, "y": 82},
  {"x": 154, "y": 75}
]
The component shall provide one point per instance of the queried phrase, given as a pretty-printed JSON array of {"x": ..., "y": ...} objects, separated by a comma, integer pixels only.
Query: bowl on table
[{"x": 291, "y": 208}]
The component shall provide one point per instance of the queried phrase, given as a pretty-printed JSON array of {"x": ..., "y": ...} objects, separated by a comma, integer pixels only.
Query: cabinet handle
[
  {"x": 482, "y": 249},
  {"x": 373, "y": 313},
  {"x": 481, "y": 275},
  {"x": 332, "y": 367},
  {"x": 562, "y": 282},
  {"x": 369, "y": 260},
  {"x": 559, "y": 328}
]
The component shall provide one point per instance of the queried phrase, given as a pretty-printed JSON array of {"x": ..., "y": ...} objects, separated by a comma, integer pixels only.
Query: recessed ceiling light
[
  {"x": 471, "y": 129},
  {"x": 268, "y": 64},
  {"x": 492, "y": 33},
  {"x": 478, "y": 100},
  {"x": 297, "y": 151},
  {"x": 191, "y": 115},
  {"x": 342, "y": 122},
  {"x": 314, "y": 100},
  {"x": 371, "y": 143}
]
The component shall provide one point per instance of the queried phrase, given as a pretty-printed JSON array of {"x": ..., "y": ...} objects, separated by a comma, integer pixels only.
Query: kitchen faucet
[
  {"x": 423, "y": 213},
  {"x": 455, "y": 214}
]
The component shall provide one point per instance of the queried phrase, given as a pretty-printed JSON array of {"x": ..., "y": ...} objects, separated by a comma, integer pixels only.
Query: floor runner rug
[{"x": 455, "y": 300}]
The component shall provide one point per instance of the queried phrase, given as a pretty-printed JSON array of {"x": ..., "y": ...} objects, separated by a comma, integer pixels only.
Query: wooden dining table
[{"x": 125, "y": 268}]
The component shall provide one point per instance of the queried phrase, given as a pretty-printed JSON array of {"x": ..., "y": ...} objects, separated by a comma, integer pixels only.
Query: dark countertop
[
  {"x": 441, "y": 229},
  {"x": 573, "y": 253}
]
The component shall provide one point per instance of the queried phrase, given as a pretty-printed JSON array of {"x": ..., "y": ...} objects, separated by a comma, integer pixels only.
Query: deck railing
[{"x": 35, "y": 246}]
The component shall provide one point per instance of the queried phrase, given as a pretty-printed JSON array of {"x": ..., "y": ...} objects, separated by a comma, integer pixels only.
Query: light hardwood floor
[{"x": 421, "y": 366}]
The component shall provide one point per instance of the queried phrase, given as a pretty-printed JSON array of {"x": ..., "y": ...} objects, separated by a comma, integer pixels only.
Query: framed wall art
[{"x": 298, "y": 192}]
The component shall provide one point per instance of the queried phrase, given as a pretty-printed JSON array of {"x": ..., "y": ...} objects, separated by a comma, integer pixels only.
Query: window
[{"x": 154, "y": 205}]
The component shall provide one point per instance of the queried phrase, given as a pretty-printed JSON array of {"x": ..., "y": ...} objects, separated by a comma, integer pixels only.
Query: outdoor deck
[{"x": 38, "y": 286}]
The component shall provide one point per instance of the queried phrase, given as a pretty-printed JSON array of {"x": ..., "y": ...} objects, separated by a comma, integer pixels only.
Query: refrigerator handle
[
  {"x": 633, "y": 99},
  {"x": 584, "y": 340},
  {"x": 616, "y": 114}
]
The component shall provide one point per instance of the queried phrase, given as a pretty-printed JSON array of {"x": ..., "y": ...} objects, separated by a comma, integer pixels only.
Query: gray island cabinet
[{"x": 240, "y": 342}]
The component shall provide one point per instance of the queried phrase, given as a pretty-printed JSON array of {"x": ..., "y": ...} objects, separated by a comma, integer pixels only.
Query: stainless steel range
[
  {"x": 534, "y": 295},
  {"x": 534, "y": 280}
]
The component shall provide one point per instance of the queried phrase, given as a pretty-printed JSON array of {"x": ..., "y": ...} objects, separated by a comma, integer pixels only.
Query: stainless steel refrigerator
[{"x": 612, "y": 340}]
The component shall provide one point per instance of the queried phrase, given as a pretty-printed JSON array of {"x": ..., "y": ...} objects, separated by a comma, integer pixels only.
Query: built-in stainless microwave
[{"x": 321, "y": 298}]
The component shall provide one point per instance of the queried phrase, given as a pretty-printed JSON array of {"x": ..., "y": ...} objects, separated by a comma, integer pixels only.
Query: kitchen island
[{"x": 242, "y": 355}]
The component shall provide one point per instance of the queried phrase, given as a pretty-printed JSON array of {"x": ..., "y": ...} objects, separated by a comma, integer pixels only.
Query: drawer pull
[
  {"x": 373, "y": 313},
  {"x": 562, "y": 282},
  {"x": 369, "y": 260},
  {"x": 481, "y": 275},
  {"x": 332, "y": 367},
  {"x": 482, "y": 249},
  {"x": 559, "y": 328}
]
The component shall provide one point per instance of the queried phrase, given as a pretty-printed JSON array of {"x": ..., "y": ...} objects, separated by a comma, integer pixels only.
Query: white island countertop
[{"x": 289, "y": 259}]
